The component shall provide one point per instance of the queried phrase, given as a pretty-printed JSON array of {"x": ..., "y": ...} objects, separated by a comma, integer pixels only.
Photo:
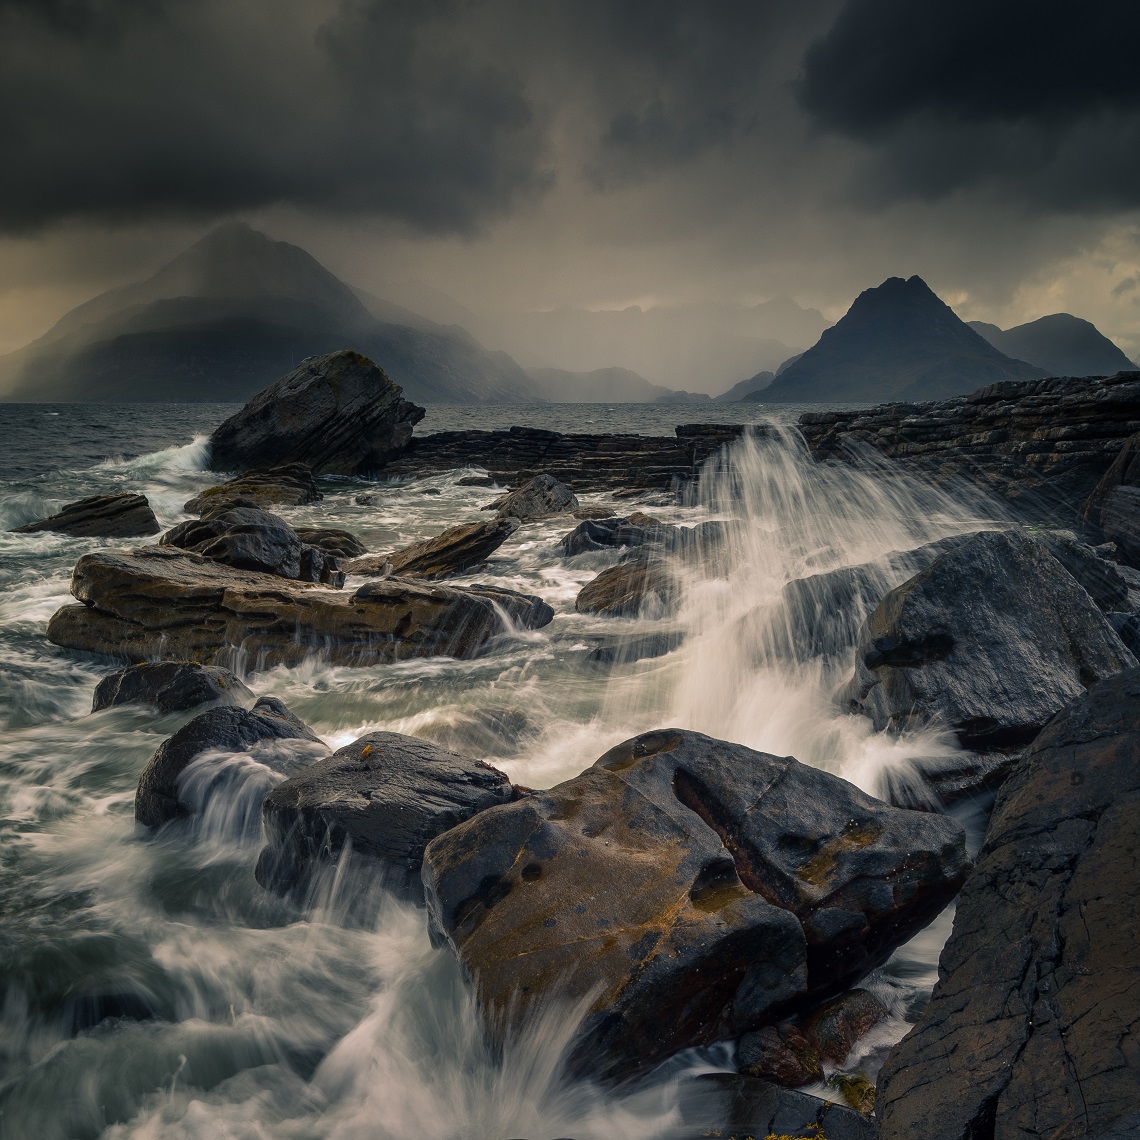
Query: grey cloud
[{"x": 1127, "y": 285}]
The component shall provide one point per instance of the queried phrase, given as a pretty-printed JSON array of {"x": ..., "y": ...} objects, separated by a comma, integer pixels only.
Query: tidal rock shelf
[
  {"x": 588, "y": 463},
  {"x": 1041, "y": 445}
]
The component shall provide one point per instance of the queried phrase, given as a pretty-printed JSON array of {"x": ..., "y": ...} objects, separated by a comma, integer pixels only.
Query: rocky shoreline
[{"x": 686, "y": 890}]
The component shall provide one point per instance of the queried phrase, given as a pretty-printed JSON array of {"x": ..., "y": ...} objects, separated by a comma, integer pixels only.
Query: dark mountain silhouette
[
  {"x": 1059, "y": 345},
  {"x": 746, "y": 389},
  {"x": 605, "y": 386},
  {"x": 231, "y": 314},
  {"x": 897, "y": 342}
]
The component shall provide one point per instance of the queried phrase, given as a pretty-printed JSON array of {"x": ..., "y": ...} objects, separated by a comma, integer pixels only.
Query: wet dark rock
[
  {"x": 991, "y": 639},
  {"x": 697, "y": 889},
  {"x": 457, "y": 549},
  {"x": 1120, "y": 521},
  {"x": 338, "y": 414},
  {"x": 1127, "y": 626},
  {"x": 934, "y": 784},
  {"x": 290, "y": 485},
  {"x": 387, "y": 795},
  {"x": 100, "y": 516},
  {"x": 224, "y": 729},
  {"x": 1100, "y": 578},
  {"x": 608, "y": 533},
  {"x": 248, "y": 538},
  {"x": 85, "y": 1010},
  {"x": 162, "y": 603},
  {"x": 724, "y": 1104},
  {"x": 476, "y": 481},
  {"x": 629, "y": 589},
  {"x": 1031, "y": 1029},
  {"x": 541, "y": 496},
  {"x": 171, "y": 686},
  {"x": 624, "y": 650},
  {"x": 332, "y": 540}
]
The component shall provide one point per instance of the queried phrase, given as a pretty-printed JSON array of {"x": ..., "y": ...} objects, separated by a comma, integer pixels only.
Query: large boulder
[
  {"x": 290, "y": 485},
  {"x": 457, "y": 549},
  {"x": 100, "y": 516},
  {"x": 387, "y": 795},
  {"x": 160, "y": 798},
  {"x": 686, "y": 890},
  {"x": 541, "y": 496},
  {"x": 1032, "y": 1027},
  {"x": 338, "y": 414},
  {"x": 991, "y": 639},
  {"x": 332, "y": 540},
  {"x": 162, "y": 603},
  {"x": 636, "y": 586},
  {"x": 249, "y": 538},
  {"x": 170, "y": 686}
]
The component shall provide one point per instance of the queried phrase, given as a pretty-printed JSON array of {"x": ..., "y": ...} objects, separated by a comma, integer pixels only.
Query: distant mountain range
[
  {"x": 897, "y": 342},
  {"x": 231, "y": 314},
  {"x": 1059, "y": 345},
  {"x": 606, "y": 386}
]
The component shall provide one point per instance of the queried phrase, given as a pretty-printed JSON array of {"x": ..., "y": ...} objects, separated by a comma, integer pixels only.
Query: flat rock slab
[
  {"x": 290, "y": 485},
  {"x": 162, "y": 603},
  {"x": 338, "y": 414},
  {"x": 158, "y": 799},
  {"x": 1032, "y": 1029},
  {"x": 456, "y": 549},
  {"x": 171, "y": 686},
  {"x": 386, "y": 794},
  {"x": 687, "y": 890},
  {"x": 991, "y": 639},
  {"x": 100, "y": 516}
]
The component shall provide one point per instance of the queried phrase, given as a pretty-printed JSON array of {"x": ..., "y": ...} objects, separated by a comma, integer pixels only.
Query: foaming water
[{"x": 152, "y": 989}]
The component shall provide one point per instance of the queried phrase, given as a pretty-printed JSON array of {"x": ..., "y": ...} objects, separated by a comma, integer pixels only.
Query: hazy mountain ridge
[
  {"x": 606, "y": 385},
  {"x": 1059, "y": 344},
  {"x": 231, "y": 314},
  {"x": 898, "y": 341}
]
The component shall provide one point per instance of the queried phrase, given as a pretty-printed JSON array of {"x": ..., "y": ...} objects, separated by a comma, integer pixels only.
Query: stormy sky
[{"x": 529, "y": 154}]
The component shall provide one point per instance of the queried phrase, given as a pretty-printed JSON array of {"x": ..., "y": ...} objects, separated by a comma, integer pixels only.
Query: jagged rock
[
  {"x": 290, "y": 485},
  {"x": 1127, "y": 628},
  {"x": 1032, "y": 1027},
  {"x": 991, "y": 639},
  {"x": 543, "y": 495},
  {"x": 1100, "y": 578},
  {"x": 724, "y": 1104},
  {"x": 629, "y": 589},
  {"x": 338, "y": 414},
  {"x": 689, "y": 889},
  {"x": 457, "y": 549},
  {"x": 936, "y": 783},
  {"x": 249, "y": 538},
  {"x": 605, "y": 534},
  {"x": 163, "y": 603},
  {"x": 227, "y": 729},
  {"x": 170, "y": 686},
  {"x": 339, "y": 543},
  {"x": 386, "y": 794},
  {"x": 100, "y": 516}
]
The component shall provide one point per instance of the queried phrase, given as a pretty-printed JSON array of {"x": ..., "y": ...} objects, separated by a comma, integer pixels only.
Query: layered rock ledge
[{"x": 162, "y": 603}]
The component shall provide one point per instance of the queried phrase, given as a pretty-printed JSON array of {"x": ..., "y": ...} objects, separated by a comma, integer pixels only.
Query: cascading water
[{"x": 152, "y": 989}]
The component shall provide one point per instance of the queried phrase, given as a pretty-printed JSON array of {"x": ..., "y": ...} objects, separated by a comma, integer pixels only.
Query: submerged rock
[
  {"x": 159, "y": 799},
  {"x": 162, "y": 603},
  {"x": 543, "y": 495},
  {"x": 1032, "y": 1026},
  {"x": 332, "y": 540},
  {"x": 457, "y": 549},
  {"x": 689, "y": 889},
  {"x": 338, "y": 414},
  {"x": 100, "y": 516},
  {"x": 249, "y": 538},
  {"x": 605, "y": 534},
  {"x": 290, "y": 485},
  {"x": 387, "y": 795},
  {"x": 170, "y": 686},
  {"x": 629, "y": 589},
  {"x": 991, "y": 639}
]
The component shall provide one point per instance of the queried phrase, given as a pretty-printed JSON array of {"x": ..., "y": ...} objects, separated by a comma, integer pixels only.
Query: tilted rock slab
[
  {"x": 289, "y": 485},
  {"x": 158, "y": 801},
  {"x": 1033, "y": 1026},
  {"x": 387, "y": 795},
  {"x": 171, "y": 686},
  {"x": 100, "y": 516},
  {"x": 992, "y": 639},
  {"x": 688, "y": 889},
  {"x": 630, "y": 587},
  {"x": 162, "y": 603},
  {"x": 538, "y": 497},
  {"x": 454, "y": 550},
  {"x": 338, "y": 414}
]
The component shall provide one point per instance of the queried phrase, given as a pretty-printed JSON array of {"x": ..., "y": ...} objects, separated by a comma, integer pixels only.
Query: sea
[{"x": 149, "y": 988}]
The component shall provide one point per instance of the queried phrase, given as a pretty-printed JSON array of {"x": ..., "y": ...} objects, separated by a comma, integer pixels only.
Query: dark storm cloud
[
  {"x": 1042, "y": 98},
  {"x": 140, "y": 108}
]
